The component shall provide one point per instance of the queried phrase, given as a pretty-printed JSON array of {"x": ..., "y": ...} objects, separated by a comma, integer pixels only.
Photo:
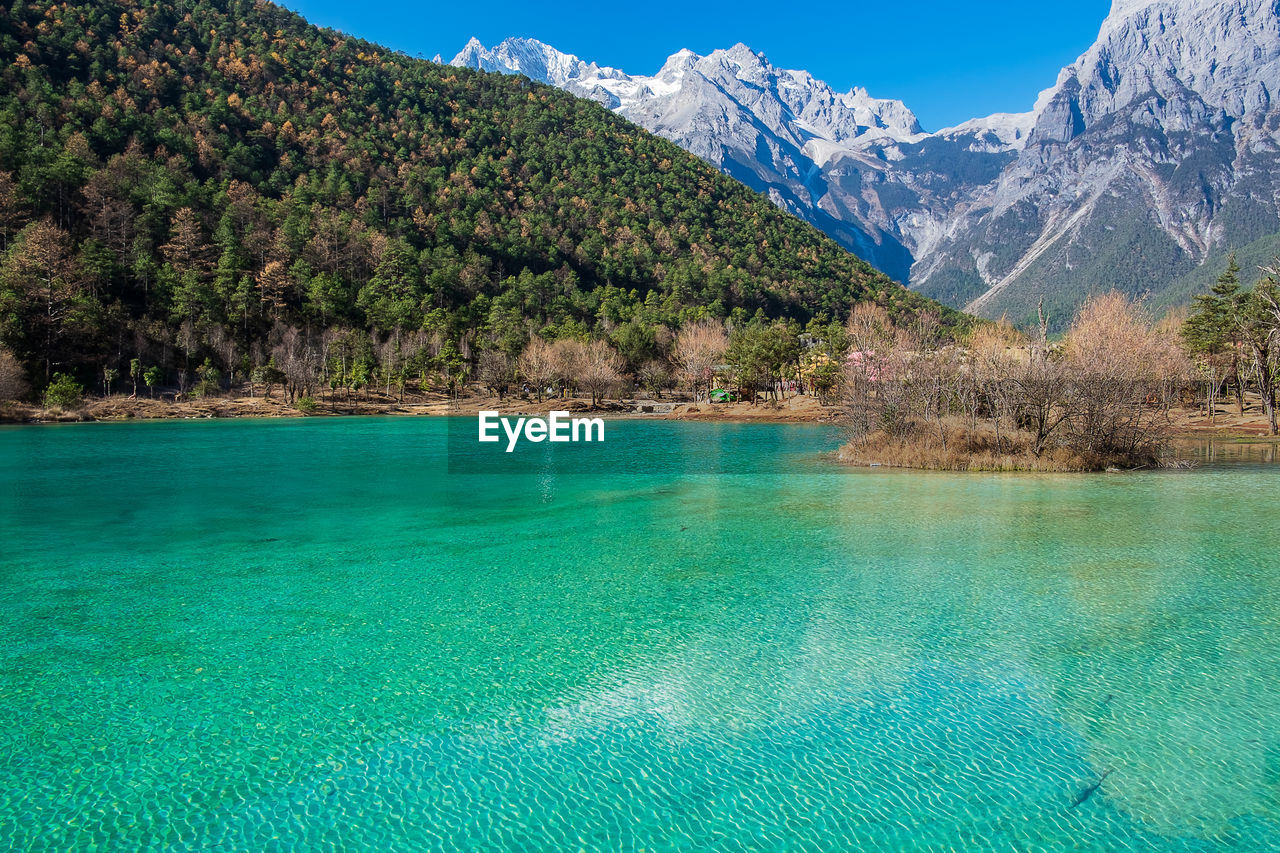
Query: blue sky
[{"x": 949, "y": 61}]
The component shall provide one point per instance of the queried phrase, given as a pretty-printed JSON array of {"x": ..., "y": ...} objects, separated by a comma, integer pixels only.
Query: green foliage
[
  {"x": 223, "y": 168},
  {"x": 1211, "y": 326},
  {"x": 63, "y": 392},
  {"x": 267, "y": 374},
  {"x": 208, "y": 379},
  {"x": 152, "y": 377},
  {"x": 761, "y": 354},
  {"x": 636, "y": 342},
  {"x": 307, "y": 405}
]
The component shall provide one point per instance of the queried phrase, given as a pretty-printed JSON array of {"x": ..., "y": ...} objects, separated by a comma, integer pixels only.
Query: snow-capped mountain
[
  {"x": 1151, "y": 157},
  {"x": 833, "y": 158},
  {"x": 1148, "y": 158}
]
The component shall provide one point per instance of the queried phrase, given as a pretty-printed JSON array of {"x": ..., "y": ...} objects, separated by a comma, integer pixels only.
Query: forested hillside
[{"x": 211, "y": 182}]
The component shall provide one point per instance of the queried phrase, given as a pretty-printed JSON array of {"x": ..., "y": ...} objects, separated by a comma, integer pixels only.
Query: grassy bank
[{"x": 958, "y": 446}]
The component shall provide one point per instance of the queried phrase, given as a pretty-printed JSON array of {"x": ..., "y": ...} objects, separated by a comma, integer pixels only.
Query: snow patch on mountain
[{"x": 812, "y": 105}]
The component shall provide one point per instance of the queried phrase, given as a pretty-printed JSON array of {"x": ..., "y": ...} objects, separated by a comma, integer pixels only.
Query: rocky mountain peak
[{"x": 1150, "y": 156}]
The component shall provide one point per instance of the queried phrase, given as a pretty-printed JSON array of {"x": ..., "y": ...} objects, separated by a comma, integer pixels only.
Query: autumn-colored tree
[
  {"x": 273, "y": 283},
  {"x": 49, "y": 284},
  {"x": 1111, "y": 364},
  {"x": 187, "y": 248},
  {"x": 219, "y": 160},
  {"x": 110, "y": 213},
  {"x": 13, "y": 381}
]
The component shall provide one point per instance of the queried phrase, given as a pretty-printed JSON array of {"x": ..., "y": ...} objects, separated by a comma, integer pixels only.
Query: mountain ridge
[
  {"x": 784, "y": 133},
  {"x": 977, "y": 214}
]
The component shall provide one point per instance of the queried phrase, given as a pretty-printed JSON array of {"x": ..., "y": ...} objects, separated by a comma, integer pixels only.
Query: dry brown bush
[
  {"x": 966, "y": 448},
  {"x": 1012, "y": 401}
]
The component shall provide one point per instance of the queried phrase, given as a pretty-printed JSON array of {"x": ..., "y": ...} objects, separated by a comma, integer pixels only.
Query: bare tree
[
  {"x": 495, "y": 371},
  {"x": 412, "y": 345},
  {"x": 1173, "y": 367},
  {"x": 393, "y": 355},
  {"x": 1112, "y": 362},
  {"x": 13, "y": 382},
  {"x": 569, "y": 356},
  {"x": 188, "y": 341},
  {"x": 1037, "y": 389},
  {"x": 226, "y": 347},
  {"x": 870, "y": 374},
  {"x": 995, "y": 352},
  {"x": 601, "y": 369},
  {"x": 654, "y": 376},
  {"x": 699, "y": 348},
  {"x": 937, "y": 379},
  {"x": 1261, "y": 325},
  {"x": 1101, "y": 398},
  {"x": 298, "y": 357},
  {"x": 538, "y": 365}
]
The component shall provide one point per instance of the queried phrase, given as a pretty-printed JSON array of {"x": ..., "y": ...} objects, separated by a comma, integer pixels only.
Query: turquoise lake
[{"x": 310, "y": 634}]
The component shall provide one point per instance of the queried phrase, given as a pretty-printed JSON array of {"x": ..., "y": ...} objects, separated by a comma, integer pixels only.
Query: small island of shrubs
[{"x": 1098, "y": 399}]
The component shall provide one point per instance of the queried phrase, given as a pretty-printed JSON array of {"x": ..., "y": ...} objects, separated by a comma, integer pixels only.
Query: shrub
[
  {"x": 63, "y": 392},
  {"x": 307, "y": 405},
  {"x": 209, "y": 380}
]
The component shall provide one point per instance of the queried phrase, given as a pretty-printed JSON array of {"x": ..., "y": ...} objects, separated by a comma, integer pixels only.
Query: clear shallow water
[{"x": 305, "y": 634}]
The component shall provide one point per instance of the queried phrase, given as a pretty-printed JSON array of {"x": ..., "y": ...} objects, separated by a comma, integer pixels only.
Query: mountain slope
[
  {"x": 205, "y": 170},
  {"x": 1147, "y": 160},
  {"x": 858, "y": 167},
  {"x": 1152, "y": 154}
]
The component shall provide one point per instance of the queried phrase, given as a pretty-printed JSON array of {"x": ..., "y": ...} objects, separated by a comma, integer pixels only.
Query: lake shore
[
  {"x": 1227, "y": 424},
  {"x": 798, "y": 409}
]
